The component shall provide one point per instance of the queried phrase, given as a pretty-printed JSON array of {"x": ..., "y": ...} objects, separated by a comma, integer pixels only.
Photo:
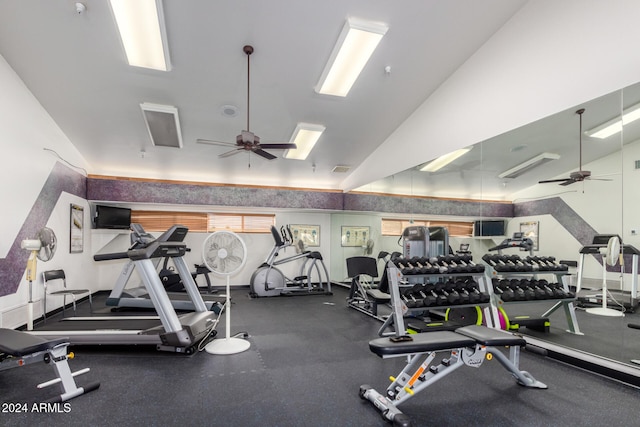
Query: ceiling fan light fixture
[
  {"x": 305, "y": 137},
  {"x": 356, "y": 43},
  {"x": 442, "y": 161},
  {"x": 142, "y": 32},
  {"x": 527, "y": 165},
  {"x": 614, "y": 126}
]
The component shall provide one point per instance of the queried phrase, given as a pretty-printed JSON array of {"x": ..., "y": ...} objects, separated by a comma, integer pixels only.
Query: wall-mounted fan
[
  {"x": 42, "y": 247},
  {"x": 247, "y": 140},
  {"x": 224, "y": 253},
  {"x": 579, "y": 175}
]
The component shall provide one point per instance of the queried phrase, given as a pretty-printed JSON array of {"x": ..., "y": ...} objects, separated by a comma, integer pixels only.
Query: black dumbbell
[{"x": 502, "y": 289}]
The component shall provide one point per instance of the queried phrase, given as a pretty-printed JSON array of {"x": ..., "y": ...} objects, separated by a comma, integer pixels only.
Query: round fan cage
[
  {"x": 49, "y": 244},
  {"x": 224, "y": 253}
]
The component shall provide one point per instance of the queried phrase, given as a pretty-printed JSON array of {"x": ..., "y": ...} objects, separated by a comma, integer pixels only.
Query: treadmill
[
  {"x": 167, "y": 331},
  {"x": 138, "y": 297},
  {"x": 588, "y": 297}
]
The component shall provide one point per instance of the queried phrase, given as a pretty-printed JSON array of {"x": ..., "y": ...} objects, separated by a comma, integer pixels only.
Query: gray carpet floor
[{"x": 307, "y": 359}]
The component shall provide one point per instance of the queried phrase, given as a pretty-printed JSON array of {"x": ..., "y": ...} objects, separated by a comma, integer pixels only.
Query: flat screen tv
[
  {"x": 112, "y": 217},
  {"x": 489, "y": 228}
]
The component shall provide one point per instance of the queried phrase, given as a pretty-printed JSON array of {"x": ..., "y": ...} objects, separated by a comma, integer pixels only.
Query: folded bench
[{"x": 469, "y": 345}]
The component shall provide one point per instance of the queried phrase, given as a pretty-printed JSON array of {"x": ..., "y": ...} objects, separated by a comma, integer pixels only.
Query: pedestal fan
[
  {"x": 224, "y": 253},
  {"x": 610, "y": 257},
  {"x": 42, "y": 247}
]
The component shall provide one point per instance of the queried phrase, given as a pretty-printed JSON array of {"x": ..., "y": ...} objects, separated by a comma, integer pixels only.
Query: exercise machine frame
[
  {"x": 174, "y": 333},
  {"x": 19, "y": 348},
  {"x": 268, "y": 280},
  {"x": 138, "y": 297},
  {"x": 469, "y": 345}
]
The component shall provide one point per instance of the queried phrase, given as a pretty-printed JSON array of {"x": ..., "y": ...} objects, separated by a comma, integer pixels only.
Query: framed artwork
[
  {"x": 76, "y": 226},
  {"x": 531, "y": 230},
  {"x": 354, "y": 236},
  {"x": 309, "y": 234}
]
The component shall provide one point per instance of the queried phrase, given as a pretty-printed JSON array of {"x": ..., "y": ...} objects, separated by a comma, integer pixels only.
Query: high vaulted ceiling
[{"x": 75, "y": 66}]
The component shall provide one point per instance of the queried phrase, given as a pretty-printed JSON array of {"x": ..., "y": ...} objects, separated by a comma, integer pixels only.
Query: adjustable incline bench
[
  {"x": 21, "y": 348},
  {"x": 468, "y": 345}
]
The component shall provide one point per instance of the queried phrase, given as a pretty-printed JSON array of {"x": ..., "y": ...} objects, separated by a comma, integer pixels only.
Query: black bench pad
[
  {"x": 17, "y": 343},
  {"x": 491, "y": 337},
  {"x": 431, "y": 341},
  {"x": 378, "y": 296}
]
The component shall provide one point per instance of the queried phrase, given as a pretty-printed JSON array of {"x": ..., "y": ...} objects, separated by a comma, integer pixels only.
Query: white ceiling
[{"x": 75, "y": 66}]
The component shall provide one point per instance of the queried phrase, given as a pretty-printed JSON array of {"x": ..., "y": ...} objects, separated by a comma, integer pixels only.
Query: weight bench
[
  {"x": 21, "y": 348},
  {"x": 362, "y": 296},
  {"x": 468, "y": 345}
]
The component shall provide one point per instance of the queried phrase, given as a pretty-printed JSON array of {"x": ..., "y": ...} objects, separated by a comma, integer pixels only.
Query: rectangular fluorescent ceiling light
[
  {"x": 163, "y": 124},
  {"x": 305, "y": 137},
  {"x": 142, "y": 31},
  {"x": 614, "y": 126},
  {"x": 355, "y": 46},
  {"x": 526, "y": 166},
  {"x": 443, "y": 161}
]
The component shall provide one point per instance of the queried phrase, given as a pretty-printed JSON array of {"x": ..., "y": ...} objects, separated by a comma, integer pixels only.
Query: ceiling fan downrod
[{"x": 248, "y": 50}]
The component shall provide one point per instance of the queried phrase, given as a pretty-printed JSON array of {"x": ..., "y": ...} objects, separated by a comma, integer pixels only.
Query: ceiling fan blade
[
  {"x": 211, "y": 142},
  {"x": 280, "y": 146},
  {"x": 570, "y": 181},
  {"x": 262, "y": 153},
  {"x": 231, "y": 153},
  {"x": 554, "y": 180}
]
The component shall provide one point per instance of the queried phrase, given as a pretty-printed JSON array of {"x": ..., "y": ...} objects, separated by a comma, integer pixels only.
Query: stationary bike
[{"x": 269, "y": 281}]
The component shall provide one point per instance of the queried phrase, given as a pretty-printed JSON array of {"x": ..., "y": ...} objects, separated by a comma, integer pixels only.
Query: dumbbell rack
[
  {"x": 399, "y": 309},
  {"x": 565, "y": 303}
]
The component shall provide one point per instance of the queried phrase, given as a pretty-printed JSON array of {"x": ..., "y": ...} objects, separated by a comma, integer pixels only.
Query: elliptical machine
[{"x": 269, "y": 281}]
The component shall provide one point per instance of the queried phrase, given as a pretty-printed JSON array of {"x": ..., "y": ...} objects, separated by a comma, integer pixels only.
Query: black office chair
[{"x": 52, "y": 275}]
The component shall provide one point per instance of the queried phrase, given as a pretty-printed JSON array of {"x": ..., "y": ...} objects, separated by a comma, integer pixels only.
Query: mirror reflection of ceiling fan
[
  {"x": 579, "y": 175},
  {"x": 247, "y": 140}
]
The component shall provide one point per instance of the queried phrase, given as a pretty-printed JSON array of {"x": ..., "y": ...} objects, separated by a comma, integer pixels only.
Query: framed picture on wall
[
  {"x": 531, "y": 231},
  {"x": 76, "y": 226},
  {"x": 354, "y": 236},
  {"x": 309, "y": 234}
]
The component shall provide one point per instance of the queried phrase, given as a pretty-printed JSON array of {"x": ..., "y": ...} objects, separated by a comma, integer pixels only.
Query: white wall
[
  {"x": 25, "y": 131},
  {"x": 536, "y": 65}
]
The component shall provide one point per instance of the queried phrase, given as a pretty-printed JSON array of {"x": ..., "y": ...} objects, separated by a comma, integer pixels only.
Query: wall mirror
[{"x": 567, "y": 216}]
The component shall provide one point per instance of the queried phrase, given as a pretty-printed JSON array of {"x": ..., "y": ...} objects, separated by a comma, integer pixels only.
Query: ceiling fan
[
  {"x": 247, "y": 140},
  {"x": 579, "y": 175}
]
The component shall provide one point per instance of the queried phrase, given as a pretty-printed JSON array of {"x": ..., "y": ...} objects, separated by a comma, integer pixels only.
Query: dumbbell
[
  {"x": 405, "y": 267},
  {"x": 429, "y": 297},
  {"x": 417, "y": 266},
  {"x": 518, "y": 291},
  {"x": 502, "y": 289},
  {"x": 558, "y": 267},
  {"x": 409, "y": 297},
  {"x": 544, "y": 285},
  {"x": 461, "y": 288},
  {"x": 519, "y": 265},
  {"x": 469, "y": 286},
  {"x": 544, "y": 263},
  {"x": 494, "y": 262},
  {"x": 446, "y": 289},
  {"x": 434, "y": 261},
  {"x": 532, "y": 290},
  {"x": 468, "y": 260}
]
